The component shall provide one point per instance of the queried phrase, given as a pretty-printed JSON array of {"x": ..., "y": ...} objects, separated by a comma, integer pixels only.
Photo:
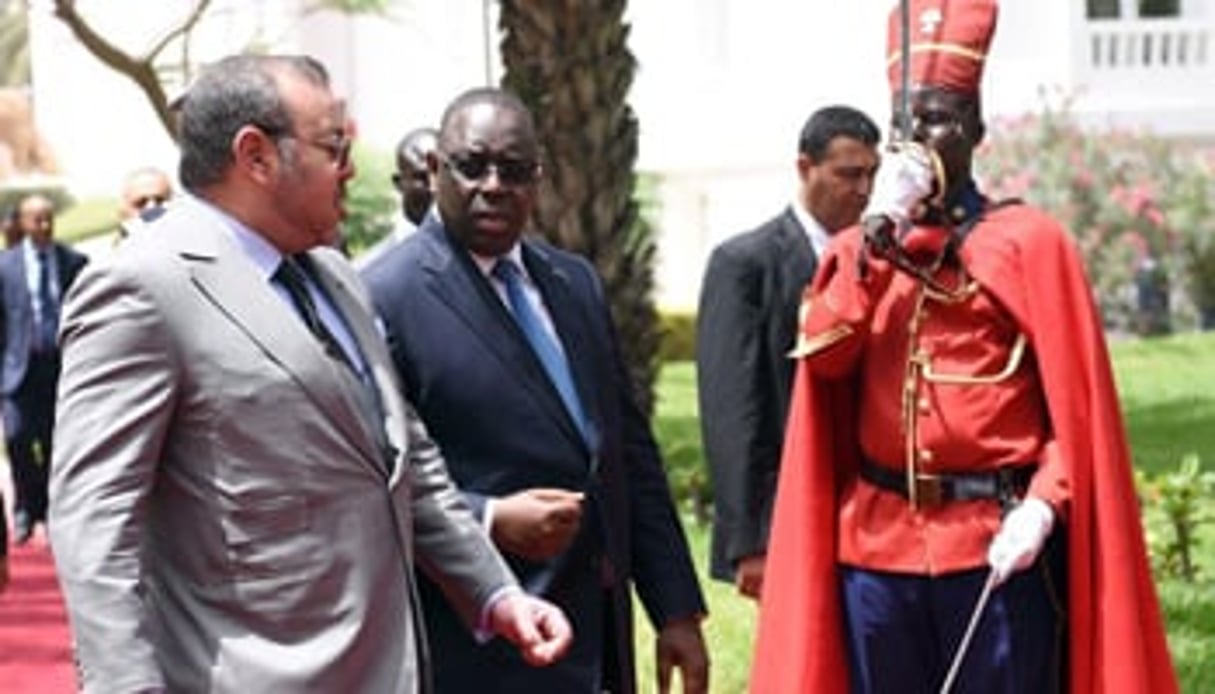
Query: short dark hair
[
  {"x": 237, "y": 91},
  {"x": 495, "y": 96},
  {"x": 830, "y": 122},
  {"x": 414, "y": 146}
]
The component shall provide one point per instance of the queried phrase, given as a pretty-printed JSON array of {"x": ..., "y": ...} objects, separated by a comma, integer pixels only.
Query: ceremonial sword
[{"x": 959, "y": 655}]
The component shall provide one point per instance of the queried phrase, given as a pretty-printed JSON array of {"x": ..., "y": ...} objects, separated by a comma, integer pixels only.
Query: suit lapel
[
  {"x": 67, "y": 265},
  {"x": 371, "y": 346},
  {"x": 457, "y": 282},
  {"x": 229, "y": 281},
  {"x": 797, "y": 262}
]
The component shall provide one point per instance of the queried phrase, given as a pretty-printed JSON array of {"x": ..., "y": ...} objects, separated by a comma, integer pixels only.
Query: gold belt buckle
[{"x": 928, "y": 490}]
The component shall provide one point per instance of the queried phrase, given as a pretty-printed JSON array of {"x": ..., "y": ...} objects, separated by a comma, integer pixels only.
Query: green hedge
[{"x": 678, "y": 337}]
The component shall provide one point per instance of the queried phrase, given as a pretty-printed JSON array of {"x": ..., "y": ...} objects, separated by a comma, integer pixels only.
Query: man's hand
[
  {"x": 1021, "y": 538},
  {"x": 537, "y": 524},
  {"x": 537, "y": 627},
  {"x": 681, "y": 645},
  {"x": 749, "y": 575}
]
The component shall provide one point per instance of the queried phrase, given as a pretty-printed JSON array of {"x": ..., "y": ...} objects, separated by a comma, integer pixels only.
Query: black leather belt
[{"x": 933, "y": 489}]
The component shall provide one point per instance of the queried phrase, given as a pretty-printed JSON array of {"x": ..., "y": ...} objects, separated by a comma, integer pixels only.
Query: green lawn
[{"x": 1168, "y": 394}]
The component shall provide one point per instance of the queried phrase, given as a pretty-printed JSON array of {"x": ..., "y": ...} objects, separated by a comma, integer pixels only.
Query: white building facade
[{"x": 721, "y": 91}]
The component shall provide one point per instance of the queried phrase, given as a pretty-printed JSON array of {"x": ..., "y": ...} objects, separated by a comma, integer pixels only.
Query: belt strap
[{"x": 933, "y": 489}]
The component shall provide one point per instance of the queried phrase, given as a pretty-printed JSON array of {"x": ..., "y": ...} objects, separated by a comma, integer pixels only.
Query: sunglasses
[
  {"x": 475, "y": 168},
  {"x": 147, "y": 202}
]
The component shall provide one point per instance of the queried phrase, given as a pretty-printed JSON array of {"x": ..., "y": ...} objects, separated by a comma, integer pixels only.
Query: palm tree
[{"x": 570, "y": 62}]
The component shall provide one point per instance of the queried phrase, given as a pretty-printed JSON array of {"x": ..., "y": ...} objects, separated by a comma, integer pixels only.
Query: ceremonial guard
[{"x": 956, "y": 508}]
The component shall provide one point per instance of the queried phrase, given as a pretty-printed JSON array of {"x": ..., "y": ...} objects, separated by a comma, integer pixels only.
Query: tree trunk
[{"x": 569, "y": 61}]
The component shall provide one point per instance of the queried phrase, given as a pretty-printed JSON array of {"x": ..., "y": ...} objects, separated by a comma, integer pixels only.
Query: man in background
[
  {"x": 746, "y": 326},
  {"x": 412, "y": 178},
  {"x": 35, "y": 274},
  {"x": 145, "y": 192},
  {"x": 412, "y": 181}
]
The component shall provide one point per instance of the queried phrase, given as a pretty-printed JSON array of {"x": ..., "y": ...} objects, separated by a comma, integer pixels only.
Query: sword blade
[
  {"x": 975, "y": 615},
  {"x": 904, "y": 133}
]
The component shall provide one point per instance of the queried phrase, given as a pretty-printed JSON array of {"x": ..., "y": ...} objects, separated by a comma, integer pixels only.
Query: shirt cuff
[{"x": 484, "y": 631}]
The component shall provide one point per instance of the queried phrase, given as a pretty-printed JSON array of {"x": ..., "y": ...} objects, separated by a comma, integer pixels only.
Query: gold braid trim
[
  {"x": 812, "y": 345},
  {"x": 931, "y": 47}
]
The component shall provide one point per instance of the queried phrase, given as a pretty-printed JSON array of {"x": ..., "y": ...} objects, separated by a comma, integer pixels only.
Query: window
[
  {"x": 1115, "y": 9},
  {"x": 1103, "y": 9},
  {"x": 1159, "y": 8}
]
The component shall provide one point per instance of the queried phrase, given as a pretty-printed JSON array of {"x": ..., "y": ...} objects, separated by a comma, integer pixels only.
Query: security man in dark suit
[
  {"x": 34, "y": 276},
  {"x": 747, "y": 324}
]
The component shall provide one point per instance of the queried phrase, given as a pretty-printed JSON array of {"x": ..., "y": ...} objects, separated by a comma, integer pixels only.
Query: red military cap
[{"x": 948, "y": 43}]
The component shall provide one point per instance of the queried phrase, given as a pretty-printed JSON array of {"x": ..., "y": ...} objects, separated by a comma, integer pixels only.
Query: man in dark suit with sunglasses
[{"x": 506, "y": 347}]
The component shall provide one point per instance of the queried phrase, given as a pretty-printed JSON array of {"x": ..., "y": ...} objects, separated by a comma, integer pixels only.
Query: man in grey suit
[
  {"x": 746, "y": 325},
  {"x": 239, "y": 494}
]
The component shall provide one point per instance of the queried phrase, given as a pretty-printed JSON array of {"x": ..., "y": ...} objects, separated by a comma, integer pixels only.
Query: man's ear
[
  {"x": 804, "y": 164},
  {"x": 254, "y": 153}
]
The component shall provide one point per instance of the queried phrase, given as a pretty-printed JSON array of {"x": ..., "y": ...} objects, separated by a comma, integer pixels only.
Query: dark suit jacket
[
  {"x": 502, "y": 428},
  {"x": 17, "y": 317},
  {"x": 746, "y": 325}
]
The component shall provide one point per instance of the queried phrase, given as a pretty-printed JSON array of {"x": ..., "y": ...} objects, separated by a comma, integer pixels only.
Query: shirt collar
[
  {"x": 31, "y": 251},
  {"x": 814, "y": 231},
  {"x": 264, "y": 256},
  {"x": 485, "y": 263},
  {"x": 965, "y": 203}
]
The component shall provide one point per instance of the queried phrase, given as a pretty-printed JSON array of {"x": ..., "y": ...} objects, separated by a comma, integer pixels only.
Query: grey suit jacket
[{"x": 221, "y": 517}]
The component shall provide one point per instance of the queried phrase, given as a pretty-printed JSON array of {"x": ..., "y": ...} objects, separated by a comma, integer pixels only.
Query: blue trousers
[{"x": 903, "y": 631}]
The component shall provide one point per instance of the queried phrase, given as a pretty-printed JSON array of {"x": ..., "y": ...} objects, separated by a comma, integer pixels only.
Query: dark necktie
[
  {"x": 290, "y": 276},
  {"x": 48, "y": 312},
  {"x": 542, "y": 342}
]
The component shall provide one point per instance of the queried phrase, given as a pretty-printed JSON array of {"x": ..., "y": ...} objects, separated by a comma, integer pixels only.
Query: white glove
[
  {"x": 1020, "y": 539},
  {"x": 904, "y": 179}
]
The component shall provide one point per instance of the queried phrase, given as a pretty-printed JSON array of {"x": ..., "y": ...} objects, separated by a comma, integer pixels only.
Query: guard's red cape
[{"x": 1115, "y": 633}]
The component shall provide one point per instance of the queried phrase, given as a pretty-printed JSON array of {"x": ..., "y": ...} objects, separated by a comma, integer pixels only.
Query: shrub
[
  {"x": 87, "y": 218},
  {"x": 1138, "y": 206},
  {"x": 678, "y": 337},
  {"x": 1179, "y": 502},
  {"x": 371, "y": 203}
]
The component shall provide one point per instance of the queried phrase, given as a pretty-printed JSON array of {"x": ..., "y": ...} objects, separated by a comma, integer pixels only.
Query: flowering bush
[{"x": 1139, "y": 207}]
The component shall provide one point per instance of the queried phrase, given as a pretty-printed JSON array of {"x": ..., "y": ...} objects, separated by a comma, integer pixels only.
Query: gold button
[
  {"x": 925, "y": 406},
  {"x": 926, "y": 456}
]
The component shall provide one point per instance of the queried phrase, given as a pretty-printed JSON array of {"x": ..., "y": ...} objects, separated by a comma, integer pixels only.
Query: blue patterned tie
[
  {"x": 543, "y": 343},
  {"x": 48, "y": 312}
]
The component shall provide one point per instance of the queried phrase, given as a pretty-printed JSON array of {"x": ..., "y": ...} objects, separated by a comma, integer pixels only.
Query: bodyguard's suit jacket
[
  {"x": 746, "y": 325},
  {"x": 221, "y": 515},
  {"x": 17, "y": 319},
  {"x": 502, "y": 427}
]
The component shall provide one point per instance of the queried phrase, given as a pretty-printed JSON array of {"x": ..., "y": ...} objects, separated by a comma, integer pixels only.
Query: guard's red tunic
[{"x": 949, "y": 377}]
